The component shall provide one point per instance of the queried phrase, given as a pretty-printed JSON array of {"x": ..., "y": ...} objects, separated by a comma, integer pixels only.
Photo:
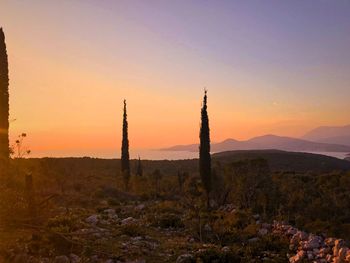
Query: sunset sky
[{"x": 271, "y": 66}]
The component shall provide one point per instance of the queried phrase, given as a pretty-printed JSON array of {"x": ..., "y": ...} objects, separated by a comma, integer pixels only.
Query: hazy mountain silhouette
[
  {"x": 267, "y": 142},
  {"x": 330, "y": 134}
]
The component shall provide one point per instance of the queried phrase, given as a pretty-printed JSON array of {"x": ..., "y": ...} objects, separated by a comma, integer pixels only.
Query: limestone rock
[
  {"x": 185, "y": 258},
  {"x": 93, "y": 219}
]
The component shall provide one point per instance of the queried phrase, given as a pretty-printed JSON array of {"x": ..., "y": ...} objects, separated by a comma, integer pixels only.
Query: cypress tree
[
  {"x": 4, "y": 100},
  {"x": 125, "y": 163},
  {"x": 139, "y": 170},
  {"x": 204, "y": 149}
]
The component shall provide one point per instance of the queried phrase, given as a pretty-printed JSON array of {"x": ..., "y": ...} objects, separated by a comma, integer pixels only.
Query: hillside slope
[
  {"x": 267, "y": 142},
  {"x": 278, "y": 161},
  {"x": 330, "y": 134},
  {"x": 288, "y": 161}
]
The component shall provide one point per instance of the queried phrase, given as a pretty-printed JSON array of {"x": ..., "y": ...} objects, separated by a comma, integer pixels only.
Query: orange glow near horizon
[{"x": 68, "y": 79}]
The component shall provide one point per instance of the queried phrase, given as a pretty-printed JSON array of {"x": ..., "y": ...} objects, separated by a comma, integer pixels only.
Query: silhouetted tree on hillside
[
  {"x": 157, "y": 177},
  {"x": 139, "y": 170},
  {"x": 125, "y": 162},
  {"x": 30, "y": 196},
  {"x": 4, "y": 101},
  {"x": 204, "y": 149},
  {"x": 181, "y": 177}
]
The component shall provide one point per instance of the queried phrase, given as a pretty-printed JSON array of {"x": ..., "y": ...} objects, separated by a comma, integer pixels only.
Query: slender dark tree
[
  {"x": 4, "y": 101},
  {"x": 139, "y": 170},
  {"x": 125, "y": 162},
  {"x": 181, "y": 177},
  {"x": 204, "y": 149}
]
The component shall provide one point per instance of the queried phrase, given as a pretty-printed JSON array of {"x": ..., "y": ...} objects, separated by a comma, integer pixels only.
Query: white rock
[
  {"x": 109, "y": 211},
  {"x": 128, "y": 220},
  {"x": 185, "y": 258},
  {"x": 263, "y": 232},
  {"x": 226, "y": 249},
  {"x": 93, "y": 219},
  {"x": 140, "y": 207},
  {"x": 74, "y": 258},
  {"x": 252, "y": 240},
  {"x": 312, "y": 243},
  {"x": 292, "y": 231}
]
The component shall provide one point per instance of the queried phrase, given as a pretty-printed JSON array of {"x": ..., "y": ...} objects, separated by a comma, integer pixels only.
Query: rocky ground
[
  {"x": 310, "y": 247},
  {"x": 157, "y": 231}
]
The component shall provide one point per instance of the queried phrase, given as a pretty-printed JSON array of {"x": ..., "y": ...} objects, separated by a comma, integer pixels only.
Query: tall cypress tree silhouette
[
  {"x": 4, "y": 100},
  {"x": 204, "y": 149},
  {"x": 125, "y": 163}
]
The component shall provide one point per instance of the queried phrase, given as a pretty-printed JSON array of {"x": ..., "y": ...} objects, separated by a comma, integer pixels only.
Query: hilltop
[{"x": 278, "y": 161}]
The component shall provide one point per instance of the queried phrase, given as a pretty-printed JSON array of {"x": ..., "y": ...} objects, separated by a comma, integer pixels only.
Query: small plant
[
  {"x": 157, "y": 177},
  {"x": 18, "y": 150},
  {"x": 182, "y": 177},
  {"x": 59, "y": 227},
  {"x": 139, "y": 169}
]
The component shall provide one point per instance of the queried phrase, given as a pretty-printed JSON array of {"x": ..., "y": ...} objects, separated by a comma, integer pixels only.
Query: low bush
[
  {"x": 169, "y": 220},
  {"x": 132, "y": 230},
  {"x": 218, "y": 256}
]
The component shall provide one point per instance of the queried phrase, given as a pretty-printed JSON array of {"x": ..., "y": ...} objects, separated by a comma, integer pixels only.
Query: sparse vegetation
[
  {"x": 204, "y": 150},
  {"x": 125, "y": 166},
  {"x": 150, "y": 226}
]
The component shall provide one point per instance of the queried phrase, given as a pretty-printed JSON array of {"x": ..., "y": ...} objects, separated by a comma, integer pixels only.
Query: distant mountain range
[
  {"x": 268, "y": 142},
  {"x": 330, "y": 134}
]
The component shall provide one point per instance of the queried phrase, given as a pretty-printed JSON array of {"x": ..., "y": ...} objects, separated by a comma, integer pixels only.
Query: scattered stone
[
  {"x": 226, "y": 249},
  {"x": 140, "y": 207},
  {"x": 109, "y": 211},
  {"x": 207, "y": 228},
  {"x": 138, "y": 238},
  {"x": 330, "y": 241},
  {"x": 253, "y": 240},
  {"x": 185, "y": 258},
  {"x": 128, "y": 220},
  {"x": 338, "y": 244},
  {"x": 298, "y": 257},
  {"x": 263, "y": 232},
  {"x": 312, "y": 243},
  {"x": 74, "y": 258},
  {"x": 93, "y": 219}
]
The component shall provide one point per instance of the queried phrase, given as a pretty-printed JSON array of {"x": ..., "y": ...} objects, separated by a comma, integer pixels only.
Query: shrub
[
  {"x": 132, "y": 230},
  {"x": 64, "y": 224},
  {"x": 169, "y": 220},
  {"x": 218, "y": 256},
  {"x": 272, "y": 243}
]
